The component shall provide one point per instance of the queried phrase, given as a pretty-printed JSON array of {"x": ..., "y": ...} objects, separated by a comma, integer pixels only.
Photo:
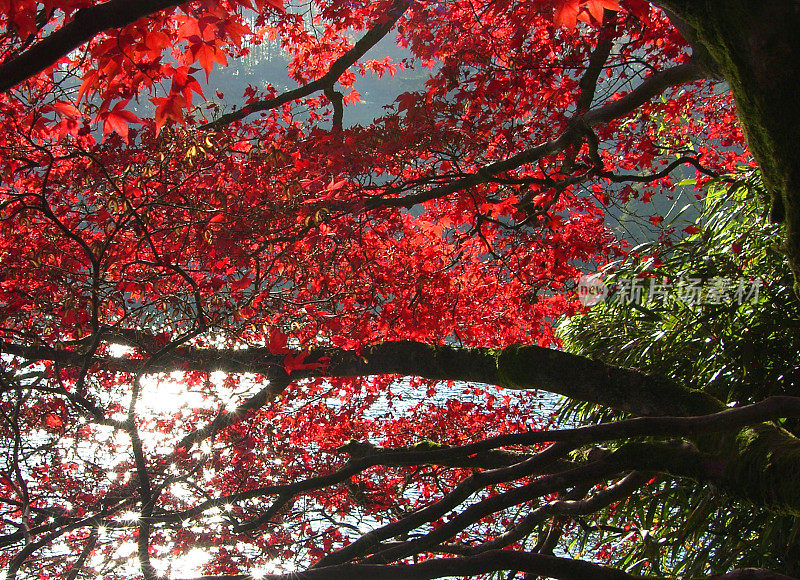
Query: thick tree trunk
[{"x": 755, "y": 45}]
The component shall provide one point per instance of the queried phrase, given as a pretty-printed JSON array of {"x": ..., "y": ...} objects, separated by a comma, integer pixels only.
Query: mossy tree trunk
[{"x": 755, "y": 47}]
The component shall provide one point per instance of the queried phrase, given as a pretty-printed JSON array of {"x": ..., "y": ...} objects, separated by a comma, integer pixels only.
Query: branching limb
[
  {"x": 325, "y": 82},
  {"x": 570, "y": 506},
  {"x": 678, "y": 459},
  {"x": 651, "y": 87},
  {"x": 597, "y": 60},
  {"x": 370, "y": 541},
  {"x": 77, "y": 567},
  {"x": 87, "y": 23},
  {"x": 693, "y": 161}
]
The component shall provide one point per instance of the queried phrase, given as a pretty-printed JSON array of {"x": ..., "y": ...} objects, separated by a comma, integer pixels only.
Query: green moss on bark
[
  {"x": 578, "y": 377},
  {"x": 755, "y": 45},
  {"x": 767, "y": 468}
]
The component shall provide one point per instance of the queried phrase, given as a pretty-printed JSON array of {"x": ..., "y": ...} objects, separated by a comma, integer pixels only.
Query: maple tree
[{"x": 205, "y": 308}]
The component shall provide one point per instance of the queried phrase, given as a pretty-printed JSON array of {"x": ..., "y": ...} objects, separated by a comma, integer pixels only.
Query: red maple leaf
[
  {"x": 168, "y": 109},
  {"x": 206, "y": 55},
  {"x": 568, "y": 12},
  {"x": 294, "y": 362},
  {"x": 277, "y": 341},
  {"x": 117, "y": 120},
  {"x": 54, "y": 421},
  {"x": 66, "y": 109}
]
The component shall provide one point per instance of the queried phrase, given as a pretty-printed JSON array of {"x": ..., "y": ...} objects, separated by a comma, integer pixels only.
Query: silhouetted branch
[
  {"x": 87, "y": 23},
  {"x": 326, "y": 81}
]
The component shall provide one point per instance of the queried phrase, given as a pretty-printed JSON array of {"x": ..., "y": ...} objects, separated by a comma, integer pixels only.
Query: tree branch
[
  {"x": 597, "y": 60},
  {"x": 551, "y": 566},
  {"x": 759, "y": 466},
  {"x": 370, "y": 541},
  {"x": 693, "y": 161},
  {"x": 616, "y": 492},
  {"x": 679, "y": 460},
  {"x": 652, "y": 86},
  {"x": 495, "y": 560},
  {"x": 87, "y": 23},
  {"x": 515, "y": 367},
  {"x": 325, "y": 82}
]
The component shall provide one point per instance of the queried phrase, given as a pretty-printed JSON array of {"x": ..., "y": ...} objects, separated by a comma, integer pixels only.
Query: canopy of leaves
[{"x": 245, "y": 337}]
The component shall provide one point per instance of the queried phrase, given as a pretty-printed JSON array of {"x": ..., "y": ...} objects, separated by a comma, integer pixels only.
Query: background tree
[
  {"x": 737, "y": 349},
  {"x": 205, "y": 308}
]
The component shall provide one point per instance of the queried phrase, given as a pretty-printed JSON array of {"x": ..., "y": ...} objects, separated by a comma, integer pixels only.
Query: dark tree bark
[{"x": 755, "y": 47}]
